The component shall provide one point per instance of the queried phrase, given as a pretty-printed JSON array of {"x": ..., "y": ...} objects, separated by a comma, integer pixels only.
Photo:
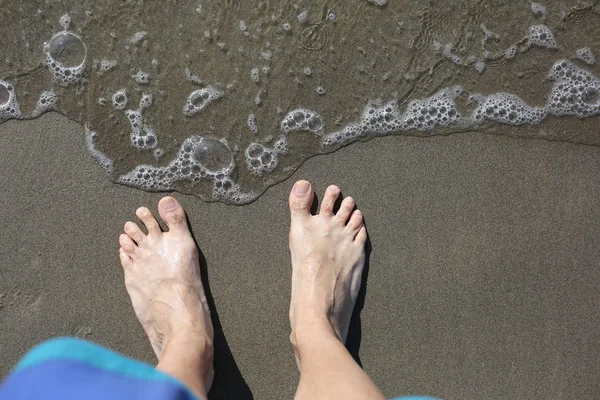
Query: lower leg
[
  {"x": 162, "y": 277},
  {"x": 327, "y": 263}
]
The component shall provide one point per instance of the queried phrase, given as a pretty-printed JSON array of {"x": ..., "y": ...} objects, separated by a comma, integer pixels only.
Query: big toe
[
  {"x": 301, "y": 199},
  {"x": 172, "y": 213}
]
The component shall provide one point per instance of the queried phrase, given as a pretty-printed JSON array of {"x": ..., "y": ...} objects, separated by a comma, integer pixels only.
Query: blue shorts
[{"x": 75, "y": 369}]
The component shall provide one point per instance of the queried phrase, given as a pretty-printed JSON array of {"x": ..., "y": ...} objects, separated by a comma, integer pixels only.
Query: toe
[
  {"x": 361, "y": 236},
  {"x": 345, "y": 210},
  {"x": 127, "y": 244},
  {"x": 355, "y": 221},
  {"x": 172, "y": 213},
  {"x": 148, "y": 219},
  {"x": 301, "y": 199},
  {"x": 133, "y": 230},
  {"x": 126, "y": 261},
  {"x": 331, "y": 195}
]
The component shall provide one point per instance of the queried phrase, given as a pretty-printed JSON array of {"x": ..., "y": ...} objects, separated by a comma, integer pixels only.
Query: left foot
[{"x": 162, "y": 277}]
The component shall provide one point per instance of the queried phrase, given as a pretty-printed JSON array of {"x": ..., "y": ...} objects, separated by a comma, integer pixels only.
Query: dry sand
[{"x": 483, "y": 280}]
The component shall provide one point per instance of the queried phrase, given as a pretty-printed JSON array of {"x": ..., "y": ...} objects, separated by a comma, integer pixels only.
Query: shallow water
[{"x": 224, "y": 98}]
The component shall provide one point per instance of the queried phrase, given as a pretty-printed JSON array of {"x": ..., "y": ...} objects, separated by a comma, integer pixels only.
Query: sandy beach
[{"x": 482, "y": 278}]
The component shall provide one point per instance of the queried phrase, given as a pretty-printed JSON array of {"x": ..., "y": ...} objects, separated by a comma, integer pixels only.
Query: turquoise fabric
[{"x": 67, "y": 348}]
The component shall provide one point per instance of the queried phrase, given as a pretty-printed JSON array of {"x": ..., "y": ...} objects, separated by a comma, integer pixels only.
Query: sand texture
[{"x": 482, "y": 283}]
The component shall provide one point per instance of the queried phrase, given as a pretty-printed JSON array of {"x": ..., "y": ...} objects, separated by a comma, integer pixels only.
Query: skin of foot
[
  {"x": 328, "y": 257},
  {"x": 162, "y": 277}
]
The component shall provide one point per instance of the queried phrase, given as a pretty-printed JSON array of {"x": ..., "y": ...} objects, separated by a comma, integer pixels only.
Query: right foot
[
  {"x": 328, "y": 257},
  {"x": 162, "y": 277}
]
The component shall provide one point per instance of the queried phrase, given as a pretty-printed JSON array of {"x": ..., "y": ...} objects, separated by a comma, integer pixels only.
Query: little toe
[
  {"x": 301, "y": 198},
  {"x": 355, "y": 221},
  {"x": 345, "y": 210},
  {"x": 127, "y": 244},
  {"x": 172, "y": 213},
  {"x": 148, "y": 219},
  {"x": 126, "y": 261},
  {"x": 133, "y": 230},
  {"x": 329, "y": 198}
]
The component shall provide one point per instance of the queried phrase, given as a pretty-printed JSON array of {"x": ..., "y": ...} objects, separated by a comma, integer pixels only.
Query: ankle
[
  {"x": 189, "y": 358},
  {"x": 308, "y": 332}
]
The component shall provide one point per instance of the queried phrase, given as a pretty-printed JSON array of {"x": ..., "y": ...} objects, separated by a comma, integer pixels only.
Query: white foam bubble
[
  {"x": 586, "y": 55},
  {"x": 119, "y": 99},
  {"x": 511, "y": 52},
  {"x": 192, "y": 78},
  {"x": 107, "y": 65},
  {"x": 379, "y": 3},
  {"x": 538, "y": 9},
  {"x": 302, "y": 17},
  {"x": 261, "y": 160},
  {"x": 302, "y": 119},
  {"x": 143, "y": 136},
  {"x": 281, "y": 146},
  {"x": 199, "y": 99},
  {"x": 101, "y": 158},
  {"x": 138, "y": 37},
  {"x": 9, "y": 106},
  {"x": 576, "y": 92},
  {"x": 480, "y": 66},
  {"x": 506, "y": 108},
  {"x": 65, "y": 21},
  {"x": 199, "y": 158},
  {"x": 420, "y": 115},
  {"x": 47, "y": 101},
  {"x": 141, "y": 77},
  {"x": 66, "y": 54},
  {"x": 447, "y": 52},
  {"x": 254, "y": 75},
  {"x": 252, "y": 124},
  {"x": 541, "y": 35}
]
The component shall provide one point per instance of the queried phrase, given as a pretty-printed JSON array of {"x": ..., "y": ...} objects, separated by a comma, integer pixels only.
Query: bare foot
[
  {"x": 162, "y": 277},
  {"x": 328, "y": 256}
]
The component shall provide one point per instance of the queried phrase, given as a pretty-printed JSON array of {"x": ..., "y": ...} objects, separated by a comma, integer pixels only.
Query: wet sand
[{"x": 482, "y": 281}]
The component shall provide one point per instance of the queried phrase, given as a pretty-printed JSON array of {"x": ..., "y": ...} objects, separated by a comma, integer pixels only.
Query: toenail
[
  {"x": 301, "y": 187},
  {"x": 169, "y": 204}
]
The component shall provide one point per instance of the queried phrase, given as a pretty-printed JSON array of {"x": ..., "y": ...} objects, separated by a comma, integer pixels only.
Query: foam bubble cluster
[
  {"x": 576, "y": 92},
  {"x": 106, "y": 163},
  {"x": 506, "y": 108},
  {"x": 138, "y": 37},
  {"x": 65, "y": 58},
  {"x": 585, "y": 54},
  {"x": 106, "y": 65},
  {"x": 199, "y": 99},
  {"x": 538, "y": 9},
  {"x": 142, "y": 134},
  {"x": 119, "y": 99},
  {"x": 421, "y": 115},
  {"x": 199, "y": 158},
  {"x": 379, "y": 3},
  {"x": 9, "y": 107},
  {"x": 47, "y": 101},
  {"x": 252, "y": 125},
  {"x": 302, "y": 120},
  {"x": 141, "y": 77},
  {"x": 260, "y": 159},
  {"x": 541, "y": 35},
  {"x": 437, "y": 110},
  {"x": 254, "y": 75}
]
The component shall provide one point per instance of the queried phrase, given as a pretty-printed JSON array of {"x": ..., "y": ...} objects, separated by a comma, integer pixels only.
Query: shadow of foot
[
  {"x": 228, "y": 382},
  {"x": 355, "y": 331}
]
